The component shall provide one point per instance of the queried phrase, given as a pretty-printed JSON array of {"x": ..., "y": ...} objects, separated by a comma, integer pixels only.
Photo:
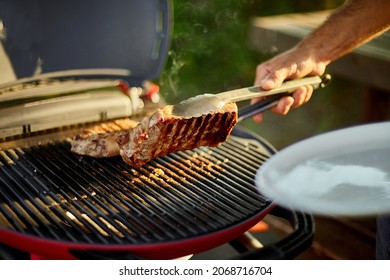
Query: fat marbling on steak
[
  {"x": 163, "y": 132},
  {"x": 100, "y": 140}
]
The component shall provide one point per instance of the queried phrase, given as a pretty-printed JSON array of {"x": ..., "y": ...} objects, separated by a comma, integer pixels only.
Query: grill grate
[{"x": 51, "y": 193}]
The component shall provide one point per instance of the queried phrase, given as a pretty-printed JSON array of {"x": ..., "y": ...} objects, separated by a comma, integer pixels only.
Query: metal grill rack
[{"x": 48, "y": 192}]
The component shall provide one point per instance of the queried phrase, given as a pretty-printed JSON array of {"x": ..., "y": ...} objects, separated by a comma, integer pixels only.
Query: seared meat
[
  {"x": 100, "y": 140},
  {"x": 163, "y": 133}
]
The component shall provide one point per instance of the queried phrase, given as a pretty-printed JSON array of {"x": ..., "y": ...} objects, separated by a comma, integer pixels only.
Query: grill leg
[
  {"x": 245, "y": 243},
  {"x": 10, "y": 253}
]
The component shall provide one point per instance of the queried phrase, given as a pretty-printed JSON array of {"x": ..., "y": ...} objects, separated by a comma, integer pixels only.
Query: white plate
[{"x": 344, "y": 172}]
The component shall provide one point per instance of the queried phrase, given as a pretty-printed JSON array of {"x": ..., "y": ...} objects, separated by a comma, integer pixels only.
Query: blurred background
[{"x": 212, "y": 51}]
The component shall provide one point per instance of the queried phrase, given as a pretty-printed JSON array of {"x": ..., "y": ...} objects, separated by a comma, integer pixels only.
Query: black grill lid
[{"x": 133, "y": 36}]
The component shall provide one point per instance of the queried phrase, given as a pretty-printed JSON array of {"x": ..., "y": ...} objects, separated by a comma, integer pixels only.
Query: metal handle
[
  {"x": 271, "y": 101},
  {"x": 287, "y": 87}
]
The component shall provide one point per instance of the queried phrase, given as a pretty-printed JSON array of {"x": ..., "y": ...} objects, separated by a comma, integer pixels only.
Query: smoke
[
  {"x": 170, "y": 80},
  {"x": 209, "y": 51}
]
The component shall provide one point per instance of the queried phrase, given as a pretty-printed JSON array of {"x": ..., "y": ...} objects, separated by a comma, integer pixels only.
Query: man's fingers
[
  {"x": 258, "y": 118},
  {"x": 309, "y": 94},
  {"x": 267, "y": 84},
  {"x": 267, "y": 78},
  {"x": 302, "y": 95},
  {"x": 273, "y": 73},
  {"x": 299, "y": 97},
  {"x": 283, "y": 106},
  {"x": 262, "y": 72},
  {"x": 273, "y": 80}
]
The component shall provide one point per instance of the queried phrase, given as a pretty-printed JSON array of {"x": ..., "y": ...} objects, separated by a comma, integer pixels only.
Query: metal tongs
[{"x": 208, "y": 103}]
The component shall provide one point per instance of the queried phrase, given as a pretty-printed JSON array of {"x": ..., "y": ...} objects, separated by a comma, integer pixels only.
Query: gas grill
[
  {"x": 58, "y": 205},
  {"x": 202, "y": 198}
]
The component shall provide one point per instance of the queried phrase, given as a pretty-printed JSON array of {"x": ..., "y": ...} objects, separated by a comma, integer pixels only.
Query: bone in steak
[
  {"x": 100, "y": 140},
  {"x": 163, "y": 133}
]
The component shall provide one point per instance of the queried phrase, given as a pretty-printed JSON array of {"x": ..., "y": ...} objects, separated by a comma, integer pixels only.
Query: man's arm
[{"x": 353, "y": 24}]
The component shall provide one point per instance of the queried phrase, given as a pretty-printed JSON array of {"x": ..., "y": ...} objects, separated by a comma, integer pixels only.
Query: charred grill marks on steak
[
  {"x": 163, "y": 133},
  {"x": 156, "y": 135},
  {"x": 100, "y": 140}
]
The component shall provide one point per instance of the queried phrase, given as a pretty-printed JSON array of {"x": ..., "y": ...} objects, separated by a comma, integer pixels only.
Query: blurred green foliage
[{"x": 210, "y": 51}]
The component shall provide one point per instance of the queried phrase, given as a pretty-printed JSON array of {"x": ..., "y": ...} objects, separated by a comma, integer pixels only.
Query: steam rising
[{"x": 209, "y": 51}]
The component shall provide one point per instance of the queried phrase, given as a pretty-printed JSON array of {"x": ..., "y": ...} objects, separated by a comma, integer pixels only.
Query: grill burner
[{"x": 50, "y": 193}]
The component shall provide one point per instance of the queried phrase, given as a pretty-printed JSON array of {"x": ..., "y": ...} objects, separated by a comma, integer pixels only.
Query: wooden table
[{"x": 368, "y": 65}]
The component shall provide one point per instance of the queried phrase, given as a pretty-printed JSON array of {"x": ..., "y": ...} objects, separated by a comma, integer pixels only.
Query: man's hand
[
  {"x": 293, "y": 64},
  {"x": 353, "y": 24}
]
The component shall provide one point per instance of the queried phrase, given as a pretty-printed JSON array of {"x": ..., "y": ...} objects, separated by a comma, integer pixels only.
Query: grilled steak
[
  {"x": 100, "y": 140},
  {"x": 163, "y": 133}
]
